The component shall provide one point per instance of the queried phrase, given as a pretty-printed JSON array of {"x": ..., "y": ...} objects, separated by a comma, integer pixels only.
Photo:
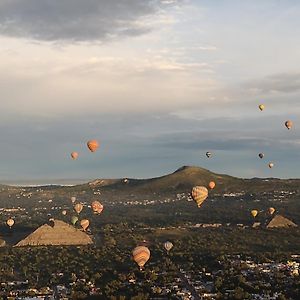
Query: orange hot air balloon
[
  {"x": 78, "y": 207},
  {"x": 10, "y": 222},
  {"x": 289, "y": 124},
  {"x": 74, "y": 155},
  {"x": 199, "y": 194},
  {"x": 141, "y": 255},
  {"x": 97, "y": 207},
  {"x": 93, "y": 145},
  {"x": 212, "y": 185},
  {"x": 271, "y": 210},
  {"x": 84, "y": 224}
]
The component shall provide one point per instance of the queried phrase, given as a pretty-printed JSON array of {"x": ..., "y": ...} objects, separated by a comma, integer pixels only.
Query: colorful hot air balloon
[
  {"x": 254, "y": 213},
  {"x": 212, "y": 185},
  {"x": 73, "y": 199},
  {"x": 10, "y": 222},
  {"x": 64, "y": 212},
  {"x": 97, "y": 207},
  {"x": 271, "y": 210},
  {"x": 78, "y": 207},
  {"x": 74, "y": 220},
  {"x": 84, "y": 224},
  {"x": 261, "y": 155},
  {"x": 208, "y": 154},
  {"x": 199, "y": 194},
  {"x": 93, "y": 145},
  {"x": 261, "y": 107},
  {"x": 271, "y": 165},
  {"x": 74, "y": 155},
  {"x": 141, "y": 255},
  {"x": 289, "y": 124},
  {"x": 168, "y": 246}
]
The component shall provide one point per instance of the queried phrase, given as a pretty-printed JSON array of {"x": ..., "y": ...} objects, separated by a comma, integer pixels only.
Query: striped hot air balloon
[
  {"x": 199, "y": 194},
  {"x": 141, "y": 255},
  {"x": 84, "y": 224},
  {"x": 97, "y": 207}
]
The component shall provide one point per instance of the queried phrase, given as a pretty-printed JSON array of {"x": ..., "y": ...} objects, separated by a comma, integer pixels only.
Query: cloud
[
  {"x": 277, "y": 83},
  {"x": 76, "y": 20}
]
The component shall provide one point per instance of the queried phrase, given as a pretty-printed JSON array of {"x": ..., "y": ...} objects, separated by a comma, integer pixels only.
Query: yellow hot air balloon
[
  {"x": 84, "y": 224},
  {"x": 289, "y": 124},
  {"x": 271, "y": 165},
  {"x": 74, "y": 155},
  {"x": 97, "y": 207},
  {"x": 141, "y": 255},
  {"x": 199, "y": 194},
  {"x": 73, "y": 199},
  {"x": 261, "y": 107},
  {"x": 10, "y": 222},
  {"x": 78, "y": 207},
  {"x": 212, "y": 185},
  {"x": 254, "y": 213},
  {"x": 271, "y": 210},
  {"x": 64, "y": 212},
  {"x": 93, "y": 145}
]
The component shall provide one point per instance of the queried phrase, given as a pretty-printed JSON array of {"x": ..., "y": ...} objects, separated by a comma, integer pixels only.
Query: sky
[{"x": 157, "y": 82}]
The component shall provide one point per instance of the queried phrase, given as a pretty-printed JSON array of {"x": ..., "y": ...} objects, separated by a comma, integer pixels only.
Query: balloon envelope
[
  {"x": 261, "y": 155},
  {"x": 64, "y": 212},
  {"x": 97, "y": 207},
  {"x": 288, "y": 124},
  {"x": 199, "y": 194},
  {"x": 93, "y": 145},
  {"x": 74, "y": 155},
  {"x": 212, "y": 185},
  {"x": 74, "y": 220},
  {"x": 84, "y": 224},
  {"x": 141, "y": 255},
  {"x": 208, "y": 154},
  {"x": 254, "y": 213},
  {"x": 78, "y": 207},
  {"x": 261, "y": 107},
  {"x": 271, "y": 165},
  {"x": 10, "y": 222},
  {"x": 271, "y": 210},
  {"x": 168, "y": 246},
  {"x": 73, "y": 199}
]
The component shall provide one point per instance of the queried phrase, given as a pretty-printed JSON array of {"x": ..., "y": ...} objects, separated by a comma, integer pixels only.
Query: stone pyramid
[
  {"x": 280, "y": 221},
  {"x": 60, "y": 234}
]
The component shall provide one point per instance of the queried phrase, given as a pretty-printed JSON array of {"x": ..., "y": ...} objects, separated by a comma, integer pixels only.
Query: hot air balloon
[
  {"x": 168, "y": 246},
  {"x": 125, "y": 180},
  {"x": 288, "y": 124},
  {"x": 64, "y": 212},
  {"x": 74, "y": 155},
  {"x": 254, "y": 213},
  {"x": 93, "y": 145},
  {"x": 212, "y": 185},
  {"x": 84, "y": 224},
  {"x": 78, "y": 207},
  {"x": 271, "y": 165},
  {"x": 199, "y": 194},
  {"x": 97, "y": 207},
  {"x": 208, "y": 154},
  {"x": 73, "y": 199},
  {"x": 261, "y": 107},
  {"x": 141, "y": 255},
  {"x": 74, "y": 220},
  {"x": 261, "y": 155},
  {"x": 271, "y": 210},
  {"x": 10, "y": 222}
]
